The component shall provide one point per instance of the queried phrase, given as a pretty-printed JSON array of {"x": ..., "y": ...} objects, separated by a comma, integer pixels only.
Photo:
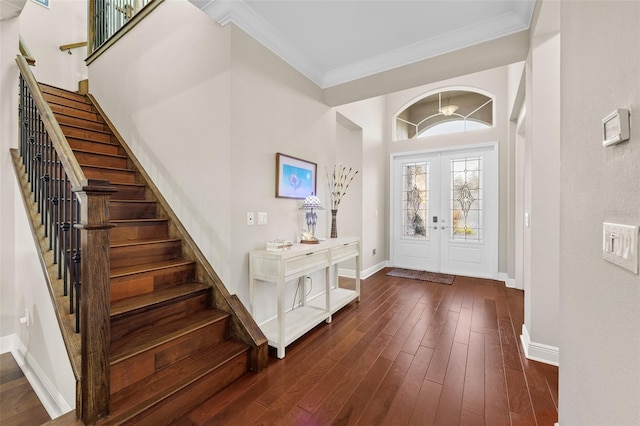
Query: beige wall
[
  {"x": 599, "y": 302},
  {"x": 45, "y": 30}
]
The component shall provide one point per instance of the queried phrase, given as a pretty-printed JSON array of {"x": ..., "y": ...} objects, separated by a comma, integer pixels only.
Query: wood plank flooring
[
  {"x": 410, "y": 353},
  {"x": 19, "y": 404}
]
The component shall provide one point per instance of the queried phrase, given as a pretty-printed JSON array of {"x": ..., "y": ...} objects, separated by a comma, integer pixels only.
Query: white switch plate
[
  {"x": 620, "y": 245},
  {"x": 262, "y": 218},
  {"x": 250, "y": 218}
]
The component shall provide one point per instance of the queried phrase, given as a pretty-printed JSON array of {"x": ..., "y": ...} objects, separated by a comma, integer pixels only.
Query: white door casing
[{"x": 444, "y": 211}]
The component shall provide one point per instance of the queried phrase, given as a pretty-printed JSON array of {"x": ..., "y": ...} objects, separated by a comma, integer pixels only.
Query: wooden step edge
[
  {"x": 97, "y": 121},
  {"x": 113, "y": 169},
  {"x": 140, "y": 344},
  {"x": 144, "y": 242},
  {"x": 149, "y": 267},
  {"x": 68, "y": 94},
  {"x": 84, "y": 151},
  {"x": 89, "y": 140},
  {"x": 106, "y": 132},
  {"x": 133, "y": 202},
  {"x": 129, "y": 306},
  {"x": 134, "y": 221},
  {"x": 230, "y": 354},
  {"x": 89, "y": 108}
]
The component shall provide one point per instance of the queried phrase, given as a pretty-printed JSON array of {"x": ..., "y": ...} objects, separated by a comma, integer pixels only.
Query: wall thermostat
[{"x": 615, "y": 127}]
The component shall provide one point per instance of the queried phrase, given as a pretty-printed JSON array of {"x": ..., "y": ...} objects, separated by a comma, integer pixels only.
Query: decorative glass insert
[
  {"x": 467, "y": 204},
  {"x": 448, "y": 111},
  {"x": 415, "y": 200}
]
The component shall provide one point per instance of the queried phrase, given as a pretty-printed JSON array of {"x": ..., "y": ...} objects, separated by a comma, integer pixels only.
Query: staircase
[{"x": 170, "y": 349}]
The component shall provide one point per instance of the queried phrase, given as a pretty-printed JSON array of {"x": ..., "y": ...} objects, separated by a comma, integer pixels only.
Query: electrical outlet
[{"x": 250, "y": 219}]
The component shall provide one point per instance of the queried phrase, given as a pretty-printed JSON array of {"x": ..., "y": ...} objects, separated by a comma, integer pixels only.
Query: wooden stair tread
[
  {"x": 154, "y": 389},
  {"x": 132, "y": 304},
  {"x": 92, "y": 120},
  {"x": 64, "y": 93},
  {"x": 133, "y": 221},
  {"x": 106, "y": 132},
  {"x": 84, "y": 151},
  {"x": 83, "y": 139},
  {"x": 143, "y": 242},
  {"x": 115, "y": 169},
  {"x": 148, "y": 267},
  {"x": 132, "y": 202},
  {"x": 147, "y": 338}
]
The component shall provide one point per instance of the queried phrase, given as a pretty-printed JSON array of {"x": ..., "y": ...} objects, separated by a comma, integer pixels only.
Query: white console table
[{"x": 299, "y": 261}]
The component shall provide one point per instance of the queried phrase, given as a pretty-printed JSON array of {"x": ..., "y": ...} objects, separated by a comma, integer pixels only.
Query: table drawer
[
  {"x": 346, "y": 251},
  {"x": 317, "y": 259}
]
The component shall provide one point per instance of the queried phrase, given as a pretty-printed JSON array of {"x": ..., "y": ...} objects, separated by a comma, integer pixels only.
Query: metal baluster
[
  {"x": 66, "y": 239},
  {"x": 76, "y": 261},
  {"x": 45, "y": 184},
  {"x": 72, "y": 245}
]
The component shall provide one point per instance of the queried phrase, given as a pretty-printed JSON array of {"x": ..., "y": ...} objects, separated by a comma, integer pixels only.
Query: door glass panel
[
  {"x": 415, "y": 200},
  {"x": 466, "y": 199}
]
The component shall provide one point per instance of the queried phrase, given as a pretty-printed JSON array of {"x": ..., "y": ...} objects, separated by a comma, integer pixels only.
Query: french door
[{"x": 445, "y": 211}]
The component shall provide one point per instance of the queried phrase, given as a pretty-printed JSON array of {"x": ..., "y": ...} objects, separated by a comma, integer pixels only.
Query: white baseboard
[
  {"x": 509, "y": 282},
  {"x": 350, "y": 273},
  {"x": 51, "y": 399},
  {"x": 7, "y": 343},
  {"x": 539, "y": 351}
]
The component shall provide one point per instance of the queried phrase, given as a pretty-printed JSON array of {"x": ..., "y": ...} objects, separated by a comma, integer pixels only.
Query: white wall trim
[
  {"x": 350, "y": 273},
  {"x": 51, "y": 399},
  {"x": 539, "y": 351},
  {"x": 8, "y": 343},
  {"x": 509, "y": 282}
]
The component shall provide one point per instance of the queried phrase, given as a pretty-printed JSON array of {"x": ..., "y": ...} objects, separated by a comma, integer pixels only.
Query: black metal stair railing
[
  {"x": 58, "y": 206},
  {"x": 109, "y": 16}
]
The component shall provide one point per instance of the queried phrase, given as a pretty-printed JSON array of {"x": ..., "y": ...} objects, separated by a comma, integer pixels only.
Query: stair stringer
[{"x": 243, "y": 326}]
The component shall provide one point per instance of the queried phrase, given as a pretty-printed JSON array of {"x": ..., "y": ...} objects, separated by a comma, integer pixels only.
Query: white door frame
[{"x": 494, "y": 220}]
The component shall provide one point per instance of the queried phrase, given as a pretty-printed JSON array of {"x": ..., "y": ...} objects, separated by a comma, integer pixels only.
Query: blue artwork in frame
[
  {"x": 295, "y": 178},
  {"x": 44, "y": 3}
]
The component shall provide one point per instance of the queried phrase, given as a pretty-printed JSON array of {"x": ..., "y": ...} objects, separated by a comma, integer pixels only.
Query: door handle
[
  {"x": 443, "y": 227},
  {"x": 435, "y": 227}
]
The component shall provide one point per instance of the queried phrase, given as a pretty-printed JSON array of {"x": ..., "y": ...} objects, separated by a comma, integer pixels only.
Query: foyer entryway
[{"x": 444, "y": 211}]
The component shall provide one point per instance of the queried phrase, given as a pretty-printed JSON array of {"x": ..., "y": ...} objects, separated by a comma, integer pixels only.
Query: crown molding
[{"x": 243, "y": 16}]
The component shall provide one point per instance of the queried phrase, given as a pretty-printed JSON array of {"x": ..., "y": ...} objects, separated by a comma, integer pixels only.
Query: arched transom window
[{"x": 449, "y": 111}]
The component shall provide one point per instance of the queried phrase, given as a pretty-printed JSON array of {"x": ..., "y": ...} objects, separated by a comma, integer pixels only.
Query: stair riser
[
  {"x": 80, "y": 122},
  {"x": 126, "y": 192},
  {"x": 115, "y": 176},
  {"x": 149, "y": 362},
  {"x": 137, "y": 284},
  {"x": 74, "y": 132},
  {"x": 137, "y": 231},
  {"x": 131, "y": 210},
  {"x": 64, "y": 94},
  {"x": 124, "y": 326},
  {"x": 145, "y": 253},
  {"x": 67, "y": 102},
  {"x": 169, "y": 410},
  {"x": 79, "y": 113},
  {"x": 98, "y": 147},
  {"x": 92, "y": 159}
]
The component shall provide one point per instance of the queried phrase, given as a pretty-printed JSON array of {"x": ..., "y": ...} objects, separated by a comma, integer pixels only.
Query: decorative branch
[{"x": 338, "y": 183}]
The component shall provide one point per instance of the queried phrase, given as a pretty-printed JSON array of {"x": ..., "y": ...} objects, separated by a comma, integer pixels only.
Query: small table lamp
[{"x": 310, "y": 203}]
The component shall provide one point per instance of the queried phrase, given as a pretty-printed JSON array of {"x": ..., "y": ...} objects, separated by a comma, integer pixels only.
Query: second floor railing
[{"x": 108, "y": 17}]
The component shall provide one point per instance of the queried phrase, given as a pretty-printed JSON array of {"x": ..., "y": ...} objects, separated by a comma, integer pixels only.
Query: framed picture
[
  {"x": 295, "y": 178},
  {"x": 44, "y": 3}
]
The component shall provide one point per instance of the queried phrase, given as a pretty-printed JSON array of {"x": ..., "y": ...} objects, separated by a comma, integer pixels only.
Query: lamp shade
[{"x": 311, "y": 202}]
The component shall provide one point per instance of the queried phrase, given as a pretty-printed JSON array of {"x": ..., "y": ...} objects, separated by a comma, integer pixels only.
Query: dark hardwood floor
[
  {"x": 19, "y": 404},
  {"x": 410, "y": 352}
]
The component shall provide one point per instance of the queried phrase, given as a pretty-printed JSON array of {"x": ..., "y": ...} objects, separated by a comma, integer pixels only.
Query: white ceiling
[
  {"x": 10, "y": 8},
  {"x": 338, "y": 41}
]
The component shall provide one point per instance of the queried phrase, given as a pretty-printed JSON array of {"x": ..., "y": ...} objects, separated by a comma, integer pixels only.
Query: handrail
[
  {"x": 70, "y": 46},
  {"x": 73, "y": 214},
  {"x": 24, "y": 50},
  {"x": 69, "y": 162}
]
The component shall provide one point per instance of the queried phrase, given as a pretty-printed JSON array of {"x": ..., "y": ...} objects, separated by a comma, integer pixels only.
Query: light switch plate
[
  {"x": 620, "y": 245},
  {"x": 250, "y": 219},
  {"x": 262, "y": 218}
]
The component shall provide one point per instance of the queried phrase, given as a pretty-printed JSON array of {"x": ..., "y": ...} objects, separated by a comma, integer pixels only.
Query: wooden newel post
[{"x": 93, "y": 401}]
